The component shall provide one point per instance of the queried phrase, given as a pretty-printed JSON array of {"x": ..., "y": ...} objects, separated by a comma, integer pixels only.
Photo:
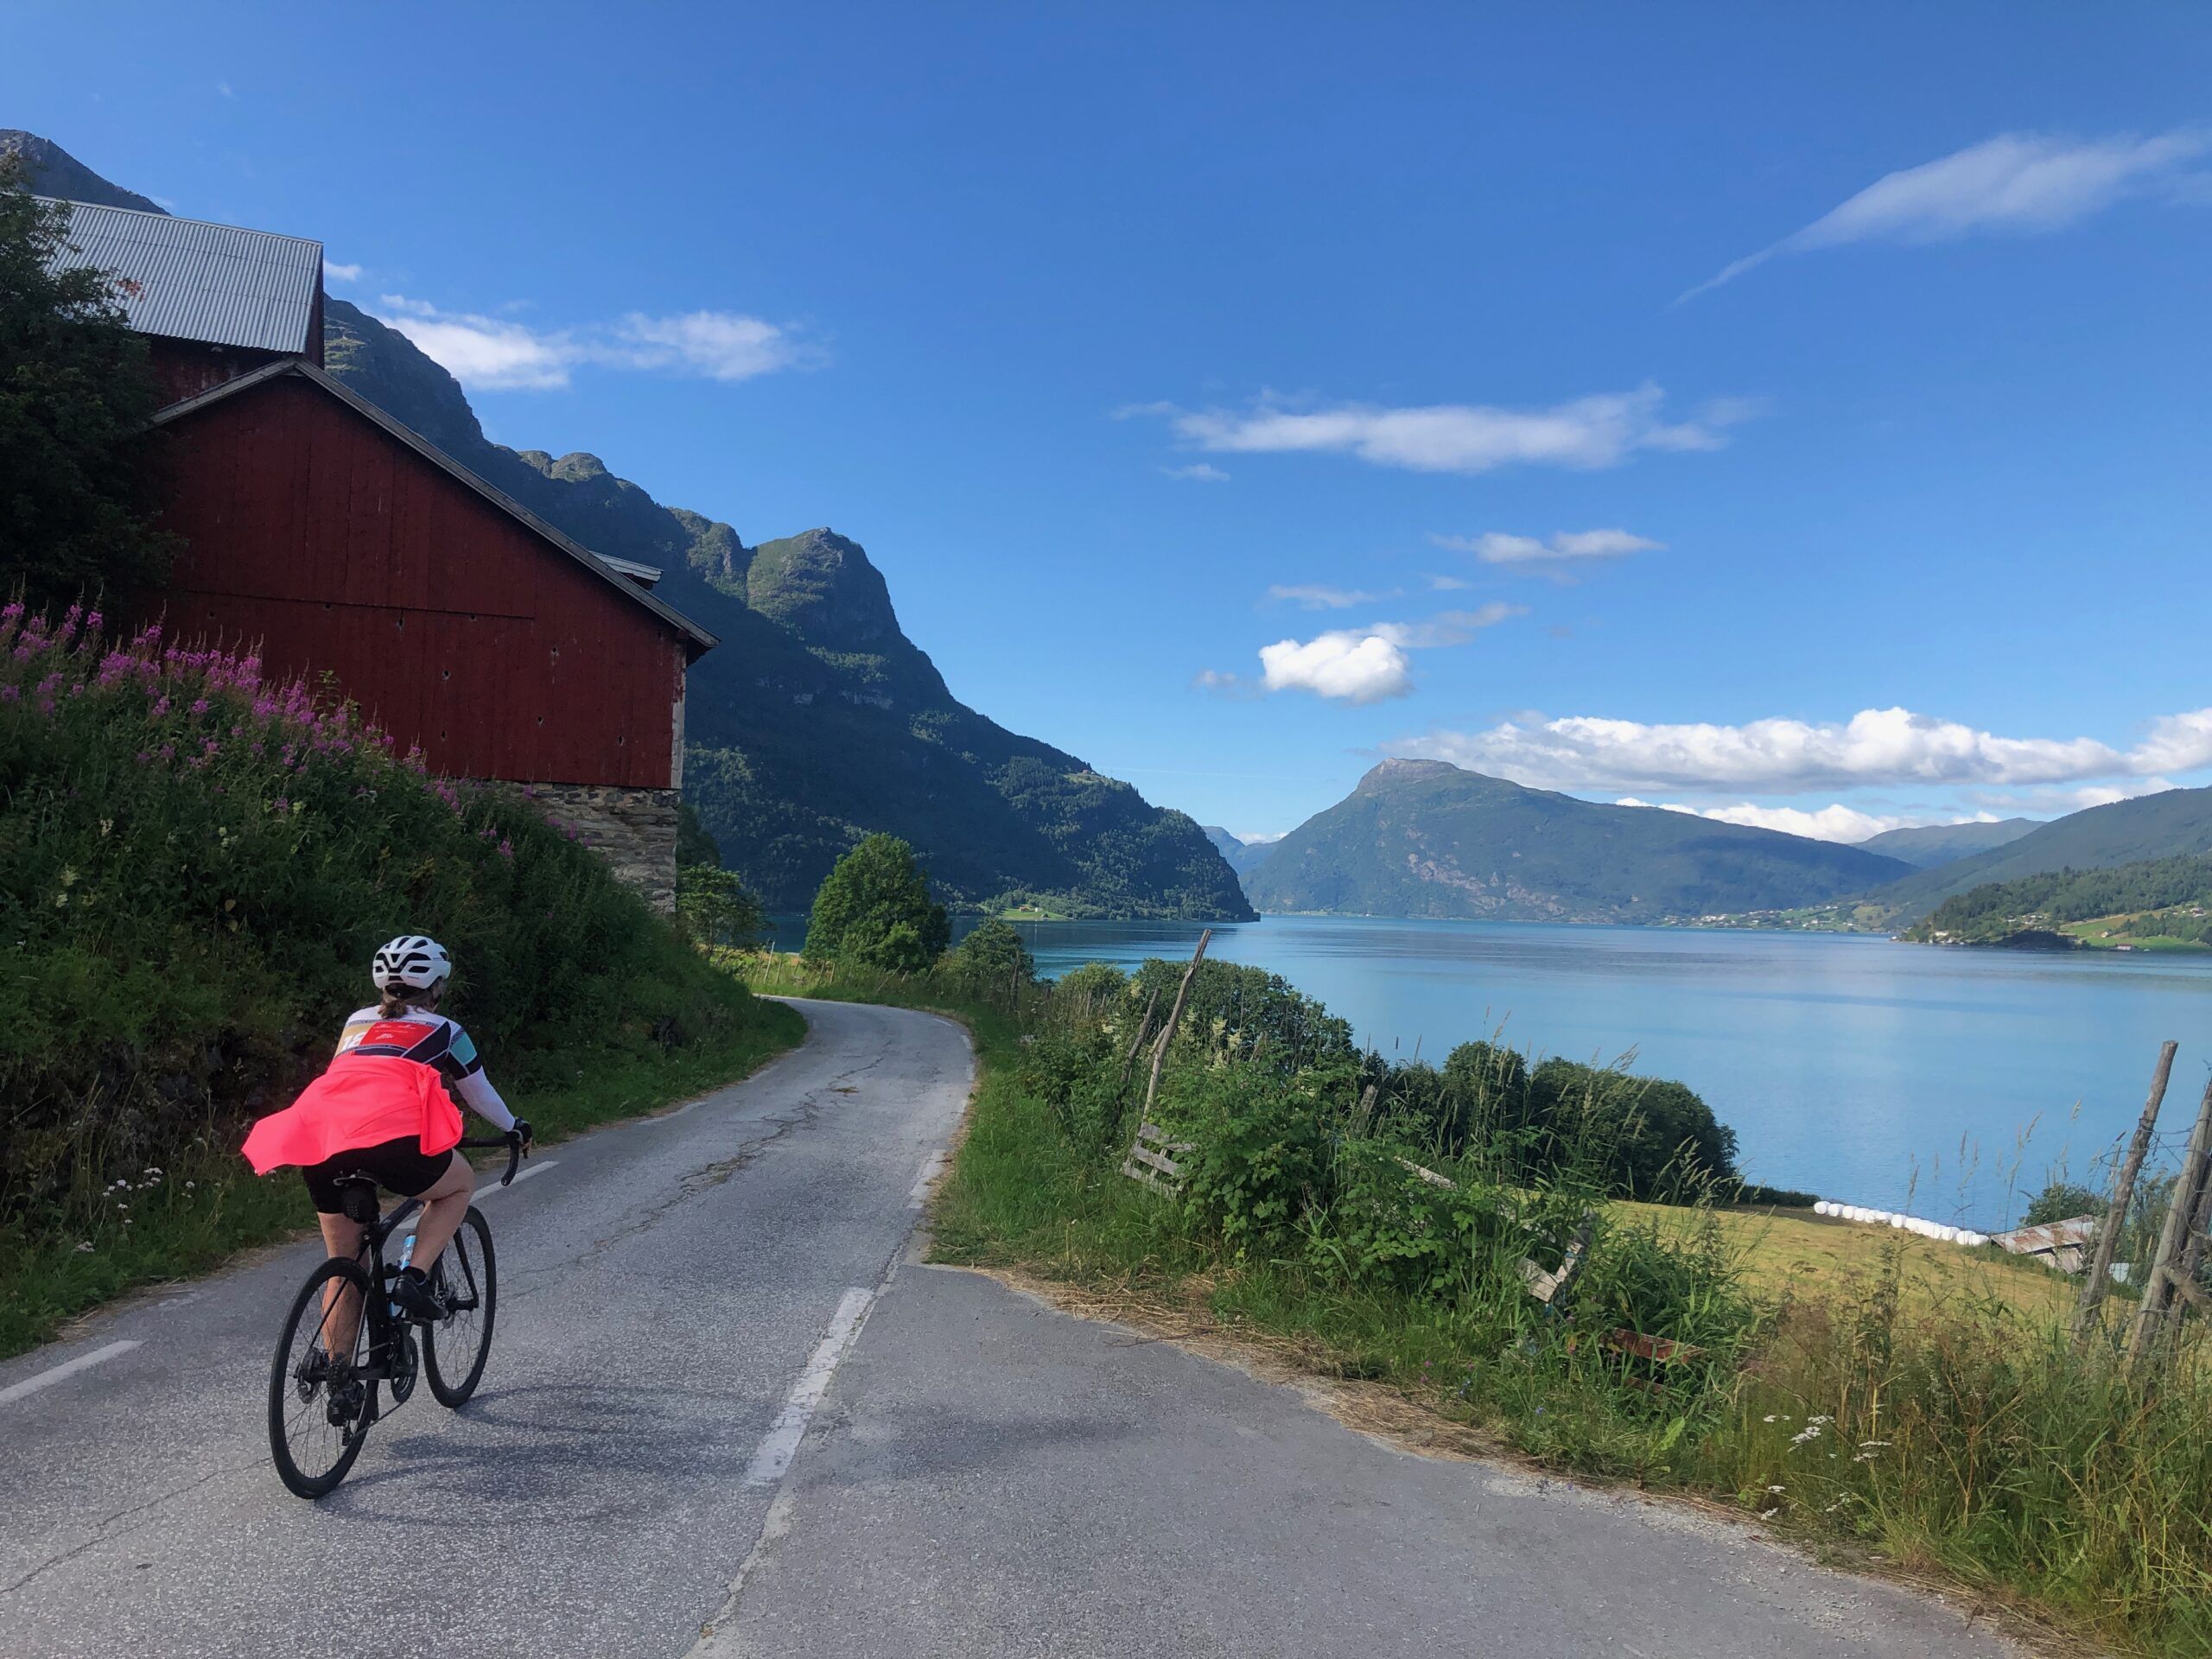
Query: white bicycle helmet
[{"x": 412, "y": 961}]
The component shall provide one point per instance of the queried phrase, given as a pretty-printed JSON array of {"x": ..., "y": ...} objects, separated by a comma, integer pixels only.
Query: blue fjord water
[
  {"x": 1947, "y": 1082},
  {"x": 1853, "y": 1067}
]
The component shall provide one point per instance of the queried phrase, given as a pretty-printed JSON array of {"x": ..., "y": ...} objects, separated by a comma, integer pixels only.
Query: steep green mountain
[
  {"x": 2158, "y": 898},
  {"x": 1928, "y": 845},
  {"x": 1243, "y": 856},
  {"x": 52, "y": 171},
  {"x": 816, "y": 722},
  {"x": 1424, "y": 838},
  {"x": 2166, "y": 825}
]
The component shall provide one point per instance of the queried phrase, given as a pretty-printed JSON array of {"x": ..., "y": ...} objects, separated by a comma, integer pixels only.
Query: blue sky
[{"x": 1097, "y": 330}]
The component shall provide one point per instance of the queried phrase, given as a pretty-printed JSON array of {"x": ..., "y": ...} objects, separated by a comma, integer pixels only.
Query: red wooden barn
[{"x": 345, "y": 545}]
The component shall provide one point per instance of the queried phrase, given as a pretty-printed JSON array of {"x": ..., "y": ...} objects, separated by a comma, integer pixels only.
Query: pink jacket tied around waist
[{"x": 363, "y": 1100}]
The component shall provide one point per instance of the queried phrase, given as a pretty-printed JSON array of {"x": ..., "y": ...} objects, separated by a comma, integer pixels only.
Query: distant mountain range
[
  {"x": 816, "y": 721},
  {"x": 1424, "y": 838},
  {"x": 1925, "y": 846},
  {"x": 1243, "y": 856},
  {"x": 2169, "y": 825}
]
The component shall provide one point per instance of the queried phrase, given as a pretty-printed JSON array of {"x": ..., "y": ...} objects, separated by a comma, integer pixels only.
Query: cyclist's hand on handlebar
[{"x": 521, "y": 1132}]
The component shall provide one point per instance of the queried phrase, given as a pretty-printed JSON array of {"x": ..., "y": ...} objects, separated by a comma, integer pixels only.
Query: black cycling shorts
[{"x": 398, "y": 1166}]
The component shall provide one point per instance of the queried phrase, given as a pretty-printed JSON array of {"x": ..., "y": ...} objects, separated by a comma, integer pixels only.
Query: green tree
[
  {"x": 76, "y": 493},
  {"x": 713, "y": 907},
  {"x": 695, "y": 843},
  {"x": 874, "y": 909},
  {"x": 994, "y": 958}
]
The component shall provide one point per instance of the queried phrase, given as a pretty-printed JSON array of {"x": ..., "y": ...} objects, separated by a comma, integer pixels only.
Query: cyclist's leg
[
  {"x": 444, "y": 1204},
  {"x": 341, "y": 1236}
]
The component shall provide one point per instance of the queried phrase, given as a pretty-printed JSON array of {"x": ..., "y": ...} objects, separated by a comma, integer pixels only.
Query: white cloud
[
  {"x": 719, "y": 344},
  {"x": 1314, "y": 596},
  {"x": 224, "y": 87},
  {"x": 2017, "y": 182},
  {"x": 1586, "y": 433},
  {"x": 1345, "y": 666},
  {"x": 1495, "y": 547},
  {"x": 1449, "y": 584},
  {"x": 1833, "y": 823},
  {"x": 1265, "y": 838},
  {"x": 1875, "y": 746},
  {"x": 335, "y": 272},
  {"x": 498, "y": 354},
  {"x": 1370, "y": 664},
  {"x": 1198, "y": 471}
]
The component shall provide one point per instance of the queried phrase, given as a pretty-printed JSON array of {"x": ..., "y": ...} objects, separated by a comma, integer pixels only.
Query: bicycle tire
[
  {"x": 470, "y": 1269},
  {"x": 296, "y": 1402}
]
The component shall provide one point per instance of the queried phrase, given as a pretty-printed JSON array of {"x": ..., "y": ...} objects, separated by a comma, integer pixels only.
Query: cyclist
[{"x": 382, "y": 1111}]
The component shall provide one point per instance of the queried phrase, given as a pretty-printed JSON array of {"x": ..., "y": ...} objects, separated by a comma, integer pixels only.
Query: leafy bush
[
  {"x": 1264, "y": 1012},
  {"x": 993, "y": 960},
  {"x": 713, "y": 907},
  {"x": 1651, "y": 1138},
  {"x": 194, "y": 866},
  {"x": 874, "y": 910},
  {"x": 1261, "y": 1156}
]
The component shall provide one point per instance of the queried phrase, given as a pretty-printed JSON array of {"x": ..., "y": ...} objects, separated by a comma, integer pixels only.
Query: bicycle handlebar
[{"x": 512, "y": 1142}]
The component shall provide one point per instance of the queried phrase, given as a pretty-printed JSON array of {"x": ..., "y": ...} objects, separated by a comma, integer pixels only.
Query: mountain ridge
[
  {"x": 1425, "y": 838},
  {"x": 1924, "y": 846}
]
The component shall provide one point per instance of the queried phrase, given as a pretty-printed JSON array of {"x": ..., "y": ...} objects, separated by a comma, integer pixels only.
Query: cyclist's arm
[{"x": 473, "y": 1088}]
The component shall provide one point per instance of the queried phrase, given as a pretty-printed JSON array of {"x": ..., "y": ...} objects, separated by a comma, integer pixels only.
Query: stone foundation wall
[{"x": 633, "y": 829}]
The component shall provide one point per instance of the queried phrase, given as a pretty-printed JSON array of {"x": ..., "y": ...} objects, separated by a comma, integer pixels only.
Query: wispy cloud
[
  {"x": 224, "y": 87},
  {"x": 1833, "y": 823},
  {"x": 1562, "y": 547},
  {"x": 498, "y": 354},
  {"x": 1371, "y": 664},
  {"x": 2021, "y": 183},
  {"x": 335, "y": 272},
  {"x": 1198, "y": 471},
  {"x": 1315, "y": 596},
  {"x": 1877, "y": 746},
  {"x": 1585, "y": 433}
]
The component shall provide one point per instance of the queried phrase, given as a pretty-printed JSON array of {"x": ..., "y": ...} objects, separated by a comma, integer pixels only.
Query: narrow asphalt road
[{"x": 727, "y": 1413}]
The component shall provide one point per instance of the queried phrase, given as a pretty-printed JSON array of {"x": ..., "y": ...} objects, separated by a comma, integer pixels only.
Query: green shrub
[
  {"x": 195, "y": 866},
  {"x": 992, "y": 961},
  {"x": 713, "y": 907},
  {"x": 1264, "y": 1012},
  {"x": 2063, "y": 1200},
  {"x": 1651, "y": 1138},
  {"x": 874, "y": 910}
]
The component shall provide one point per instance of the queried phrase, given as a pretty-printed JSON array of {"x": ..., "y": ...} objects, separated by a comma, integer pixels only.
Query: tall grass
[
  {"x": 195, "y": 863},
  {"x": 1969, "y": 1441}
]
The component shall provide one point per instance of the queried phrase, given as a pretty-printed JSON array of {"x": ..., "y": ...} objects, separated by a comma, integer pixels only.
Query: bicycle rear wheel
[
  {"x": 320, "y": 1404},
  {"x": 456, "y": 1348}
]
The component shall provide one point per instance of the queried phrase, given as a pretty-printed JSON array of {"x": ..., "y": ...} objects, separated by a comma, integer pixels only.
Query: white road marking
[
  {"x": 781, "y": 1443},
  {"x": 933, "y": 1166},
  {"x": 529, "y": 1169},
  {"x": 68, "y": 1368}
]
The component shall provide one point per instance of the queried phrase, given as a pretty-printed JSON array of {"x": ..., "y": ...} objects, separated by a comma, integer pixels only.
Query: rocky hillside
[
  {"x": 816, "y": 721},
  {"x": 1425, "y": 838}
]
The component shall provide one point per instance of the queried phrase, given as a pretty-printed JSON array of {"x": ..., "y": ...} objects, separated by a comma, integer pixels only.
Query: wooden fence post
[
  {"x": 2188, "y": 1193},
  {"x": 2123, "y": 1194},
  {"x": 1174, "y": 1014},
  {"x": 1137, "y": 1042}
]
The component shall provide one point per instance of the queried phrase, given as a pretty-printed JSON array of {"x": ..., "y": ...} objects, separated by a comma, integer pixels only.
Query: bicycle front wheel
[
  {"x": 456, "y": 1348},
  {"x": 321, "y": 1395}
]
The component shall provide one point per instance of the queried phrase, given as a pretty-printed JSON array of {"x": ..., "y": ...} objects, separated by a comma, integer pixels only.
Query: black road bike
[{"x": 345, "y": 1341}]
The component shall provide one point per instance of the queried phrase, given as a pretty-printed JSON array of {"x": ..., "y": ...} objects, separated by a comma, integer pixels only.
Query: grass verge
[{"x": 1902, "y": 1406}]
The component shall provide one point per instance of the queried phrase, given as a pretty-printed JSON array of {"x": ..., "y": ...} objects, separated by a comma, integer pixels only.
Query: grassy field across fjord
[
  {"x": 1890, "y": 1400},
  {"x": 195, "y": 868}
]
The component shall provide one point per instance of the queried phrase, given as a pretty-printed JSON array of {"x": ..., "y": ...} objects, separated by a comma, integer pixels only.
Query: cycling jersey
[
  {"x": 388, "y": 1081},
  {"x": 431, "y": 1039}
]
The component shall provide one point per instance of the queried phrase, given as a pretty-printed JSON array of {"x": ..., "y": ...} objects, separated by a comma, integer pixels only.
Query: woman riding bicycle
[{"x": 382, "y": 1111}]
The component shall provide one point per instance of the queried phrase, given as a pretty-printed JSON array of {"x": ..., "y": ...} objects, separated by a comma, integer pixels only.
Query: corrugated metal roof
[
  {"x": 190, "y": 280},
  {"x": 2071, "y": 1234}
]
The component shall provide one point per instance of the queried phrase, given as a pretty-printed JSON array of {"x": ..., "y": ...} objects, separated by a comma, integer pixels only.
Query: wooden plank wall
[{"x": 342, "y": 550}]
